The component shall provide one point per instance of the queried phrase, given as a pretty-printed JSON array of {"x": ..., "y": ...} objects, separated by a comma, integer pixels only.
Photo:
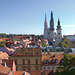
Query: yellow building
[{"x": 27, "y": 59}]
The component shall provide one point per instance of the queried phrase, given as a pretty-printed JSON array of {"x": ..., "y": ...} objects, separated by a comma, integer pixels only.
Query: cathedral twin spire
[
  {"x": 51, "y": 24},
  {"x": 45, "y": 23}
]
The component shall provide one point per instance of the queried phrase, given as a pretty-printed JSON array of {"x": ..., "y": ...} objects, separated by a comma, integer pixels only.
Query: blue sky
[{"x": 27, "y": 16}]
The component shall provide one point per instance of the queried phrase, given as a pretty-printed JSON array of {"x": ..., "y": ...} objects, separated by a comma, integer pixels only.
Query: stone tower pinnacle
[
  {"x": 45, "y": 23},
  {"x": 52, "y": 22},
  {"x": 52, "y": 15},
  {"x": 58, "y": 26}
]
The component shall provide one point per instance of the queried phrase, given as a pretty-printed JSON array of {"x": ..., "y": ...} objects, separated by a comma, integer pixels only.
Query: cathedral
[{"x": 49, "y": 33}]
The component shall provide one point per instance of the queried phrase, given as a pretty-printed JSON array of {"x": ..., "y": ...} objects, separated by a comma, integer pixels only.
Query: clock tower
[{"x": 59, "y": 33}]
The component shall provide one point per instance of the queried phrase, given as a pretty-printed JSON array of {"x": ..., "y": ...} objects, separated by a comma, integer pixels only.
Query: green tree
[
  {"x": 44, "y": 44},
  {"x": 67, "y": 67}
]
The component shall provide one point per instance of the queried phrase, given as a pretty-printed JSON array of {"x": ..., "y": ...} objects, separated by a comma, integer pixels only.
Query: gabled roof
[
  {"x": 3, "y": 49},
  {"x": 20, "y": 73},
  {"x": 39, "y": 72},
  {"x": 51, "y": 58},
  {"x": 70, "y": 44},
  {"x": 27, "y": 52},
  {"x": 8, "y": 62},
  {"x": 4, "y": 70}
]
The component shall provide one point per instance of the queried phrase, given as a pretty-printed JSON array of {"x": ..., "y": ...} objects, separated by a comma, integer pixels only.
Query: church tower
[
  {"x": 59, "y": 33},
  {"x": 51, "y": 29},
  {"x": 45, "y": 28},
  {"x": 52, "y": 22}
]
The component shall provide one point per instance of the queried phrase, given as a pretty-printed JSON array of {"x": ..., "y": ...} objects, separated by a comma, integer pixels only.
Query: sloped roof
[
  {"x": 71, "y": 39},
  {"x": 52, "y": 57},
  {"x": 4, "y": 70},
  {"x": 38, "y": 72}
]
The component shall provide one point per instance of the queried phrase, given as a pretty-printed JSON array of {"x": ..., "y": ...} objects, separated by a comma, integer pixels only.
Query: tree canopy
[{"x": 67, "y": 67}]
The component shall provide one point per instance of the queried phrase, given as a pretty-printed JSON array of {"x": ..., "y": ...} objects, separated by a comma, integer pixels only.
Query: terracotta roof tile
[
  {"x": 38, "y": 72},
  {"x": 4, "y": 70},
  {"x": 52, "y": 57}
]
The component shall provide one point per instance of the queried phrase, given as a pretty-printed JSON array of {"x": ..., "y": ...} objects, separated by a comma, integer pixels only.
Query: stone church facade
[{"x": 49, "y": 33}]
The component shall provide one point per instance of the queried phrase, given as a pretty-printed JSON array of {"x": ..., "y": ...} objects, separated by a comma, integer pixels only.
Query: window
[
  {"x": 36, "y": 53},
  {"x": 23, "y": 62},
  {"x": 28, "y": 62},
  {"x": 58, "y": 37},
  {"x": 48, "y": 61},
  {"x": 31, "y": 53},
  {"x": 48, "y": 67},
  {"x": 44, "y": 68},
  {"x": 58, "y": 33},
  {"x": 56, "y": 61},
  {"x": 52, "y": 67},
  {"x": 36, "y": 62},
  {"x": 23, "y": 69},
  {"x": 16, "y": 68},
  {"x": 44, "y": 61},
  {"x": 26, "y": 53},
  {"x": 36, "y": 68},
  {"x": 66, "y": 43},
  {"x": 16, "y": 62},
  {"x": 28, "y": 69}
]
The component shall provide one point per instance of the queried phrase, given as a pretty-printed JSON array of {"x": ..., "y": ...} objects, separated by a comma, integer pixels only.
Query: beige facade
[
  {"x": 56, "y": 53},
  {"x": 29, "y": 61}
]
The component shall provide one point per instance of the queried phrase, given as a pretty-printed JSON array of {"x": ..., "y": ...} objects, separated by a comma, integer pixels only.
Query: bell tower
[{"x": 59, "y": 33}]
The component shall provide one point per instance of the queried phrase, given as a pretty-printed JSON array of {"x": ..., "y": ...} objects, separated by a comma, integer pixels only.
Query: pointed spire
[
  {"x": 45, "y": 23},
  {"x": 58, "y": 21},
  {"x": 52, "y": 15},
  {"x": 45, "y": 18},
  {"x": 58, "y": 26}
]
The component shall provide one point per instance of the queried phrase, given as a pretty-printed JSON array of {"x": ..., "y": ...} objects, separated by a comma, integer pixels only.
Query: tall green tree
[
  {"x": 67, "y": 67},
  {"x": 44, "y": 44}
]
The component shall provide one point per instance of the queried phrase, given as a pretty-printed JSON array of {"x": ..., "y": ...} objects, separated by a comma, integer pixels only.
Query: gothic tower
[
  {"x": 51, "y": 30},
  {"x": 45, "y": 28},
  {"x": 52, "y": 22},
  {"x": 59, "y": 33}
]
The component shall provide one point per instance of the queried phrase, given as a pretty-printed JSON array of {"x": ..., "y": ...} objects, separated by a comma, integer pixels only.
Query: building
[
  {"x": 4, "y": 70},
  {"x": 66, "y": 43},
  {"x": 49, "y": 32},
  {"x": 51, "y": 62},
  {"x": 59, "y": 33},
  {"x": 27, "y": 59},
  {"x": 42, "y": 72}
]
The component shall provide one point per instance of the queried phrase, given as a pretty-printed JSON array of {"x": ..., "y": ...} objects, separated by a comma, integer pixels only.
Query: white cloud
[{"x": 68, "y": 25}]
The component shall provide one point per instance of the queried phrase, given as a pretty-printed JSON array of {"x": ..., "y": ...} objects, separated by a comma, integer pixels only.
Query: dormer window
[
  {"x": 56, "y": 61},
  {"x": 48, "y": 61},
  {"x": 26, "y": 53},
  {"x": 44, "y": 61},
  {"x": 53, "y": 61}
]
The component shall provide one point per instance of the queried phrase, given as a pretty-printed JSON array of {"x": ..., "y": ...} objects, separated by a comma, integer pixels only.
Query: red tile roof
[
  {"x": 52, "y": 57},
  {"x": 18, "y": 72},
  {"x": 4, "y": 70},
  {"x": 38, "y": 72}
]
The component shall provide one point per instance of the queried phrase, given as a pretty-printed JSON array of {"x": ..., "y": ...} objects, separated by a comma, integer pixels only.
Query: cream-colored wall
[
  {"x": 32, "y": 65},
  {"x": 56, "y": 53},
  {"x": 51, "y": 67}
]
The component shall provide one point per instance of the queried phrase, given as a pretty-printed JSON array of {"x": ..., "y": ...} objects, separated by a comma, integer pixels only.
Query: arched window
[
  {"x": 53, "y": 61},
  {"x": 44, "y": 62},
  {"x": 56, "y": 60},
  {"x": 48, "y": 61}
]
